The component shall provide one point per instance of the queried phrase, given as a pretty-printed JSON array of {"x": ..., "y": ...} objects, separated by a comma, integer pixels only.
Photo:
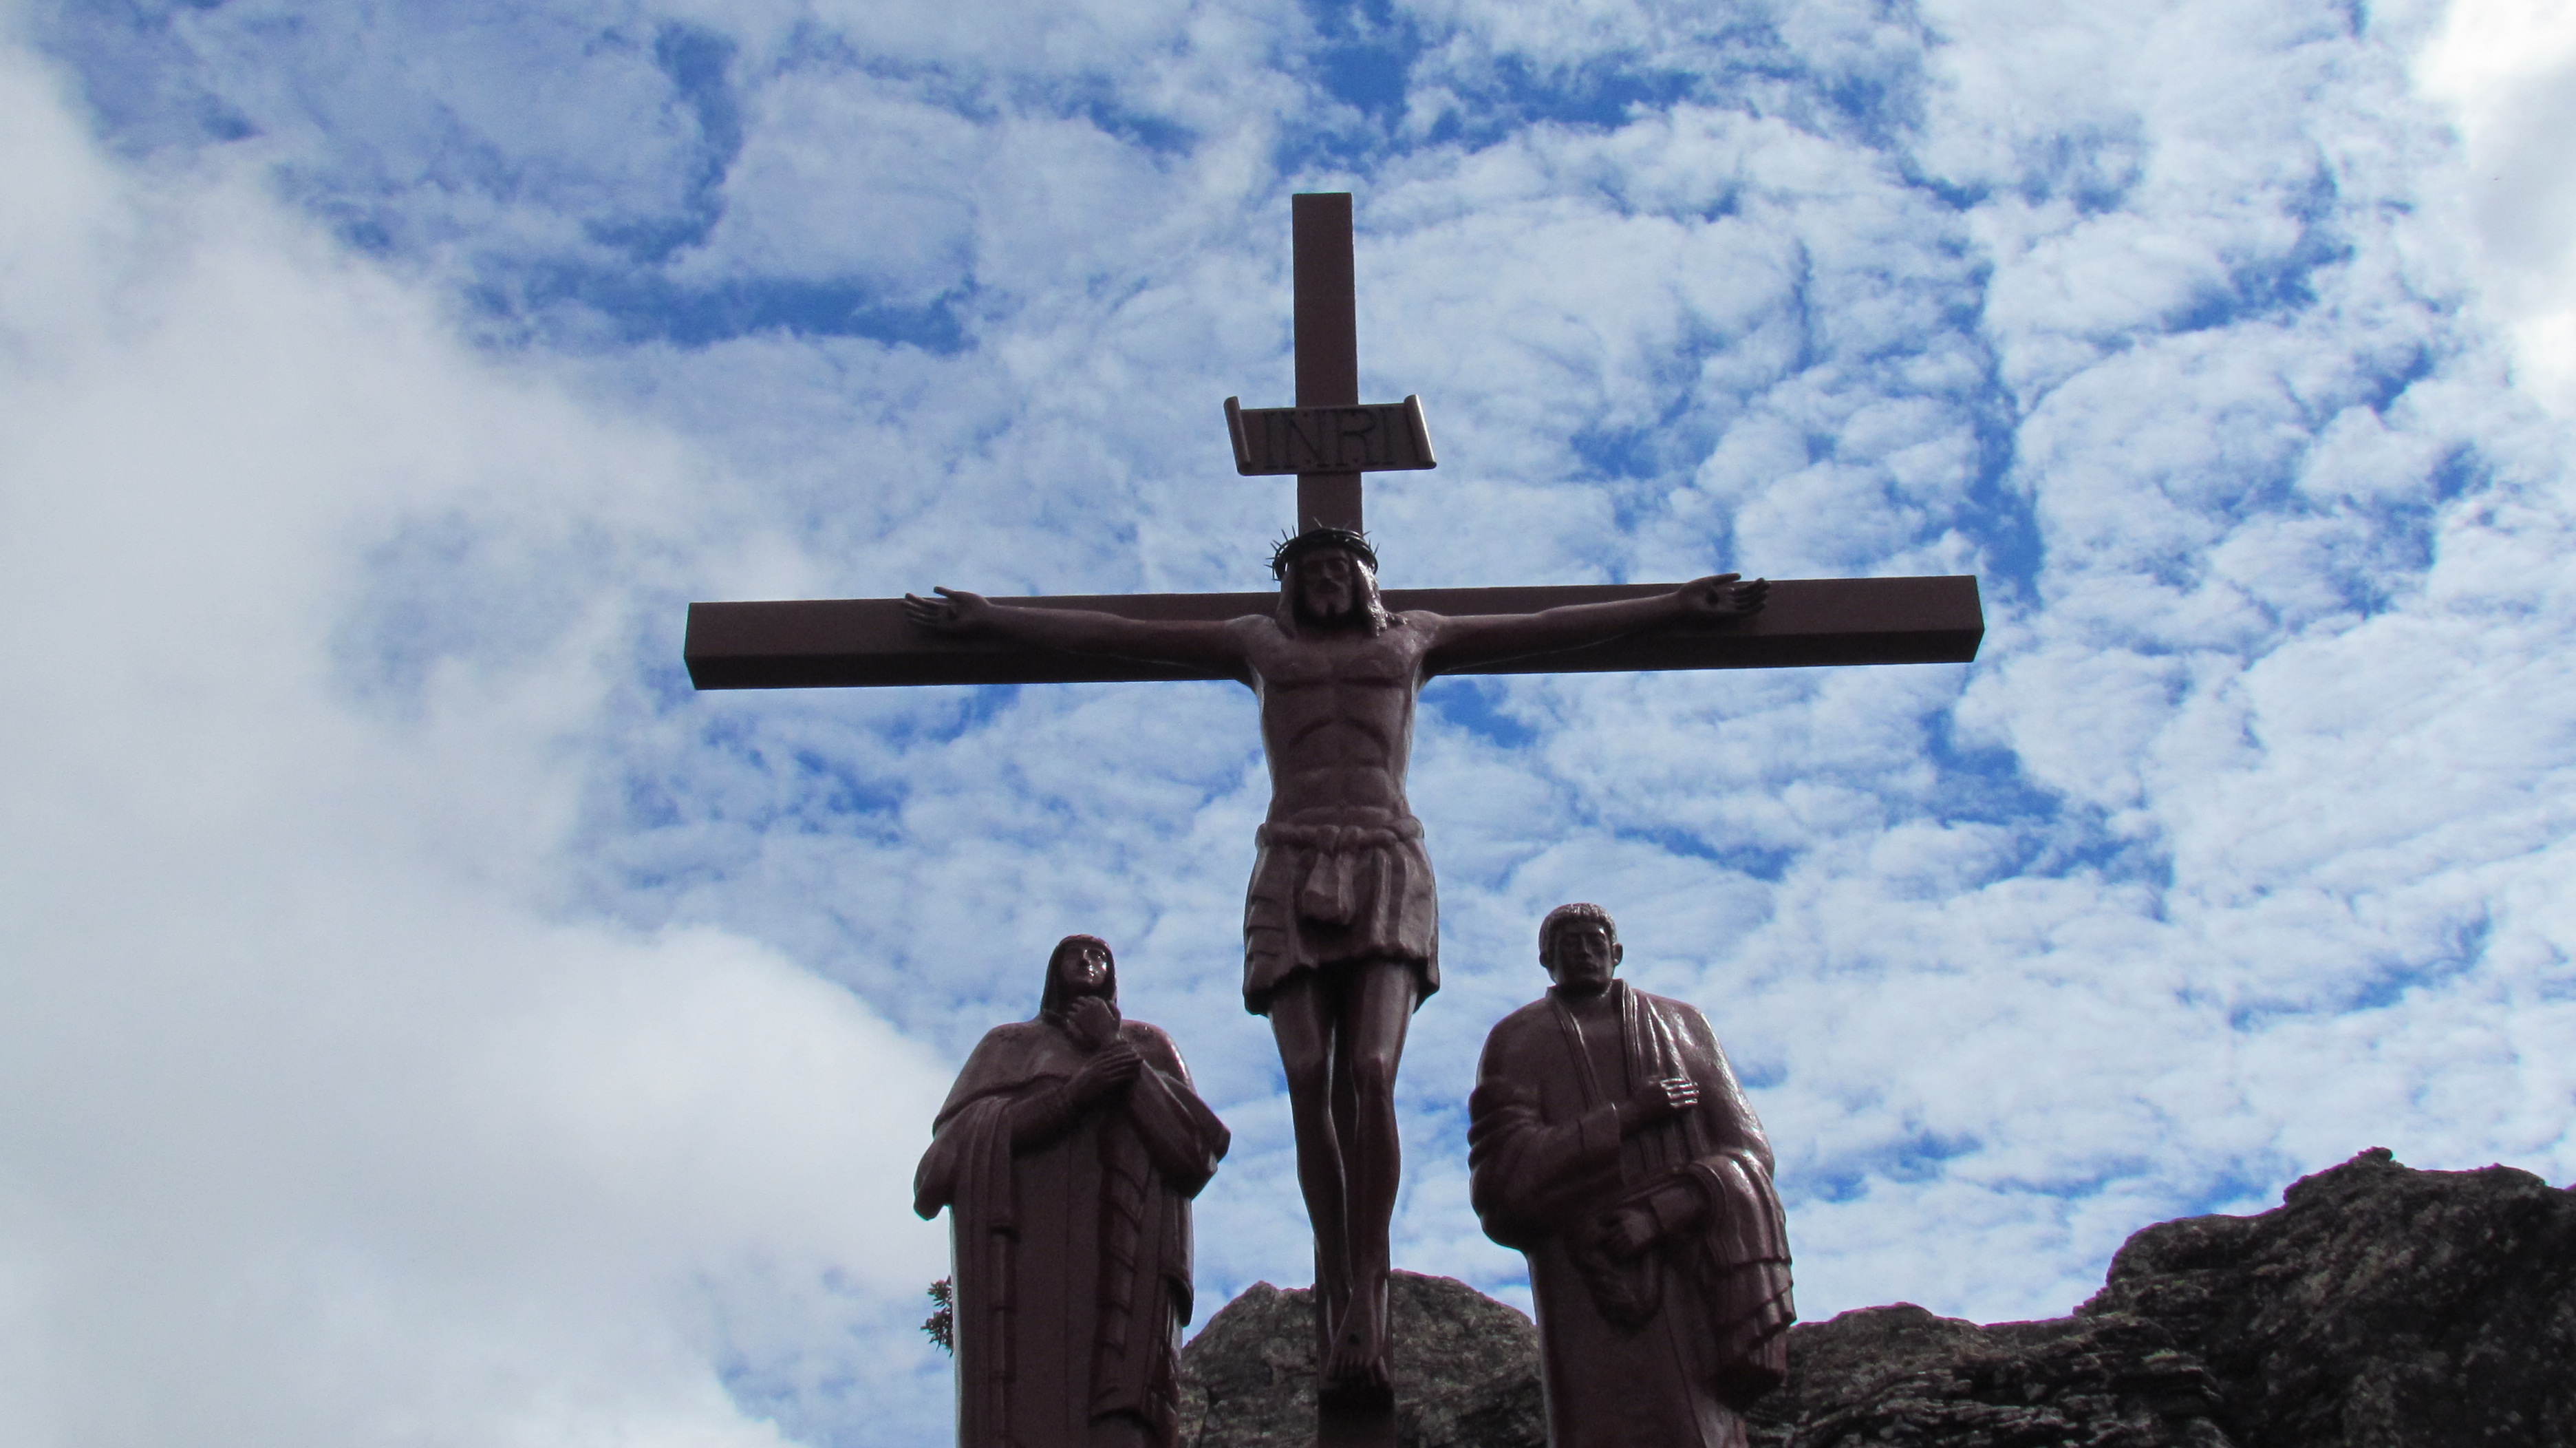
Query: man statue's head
[
  {"x": 1328, "y": 579},
  {"x": 1579, "y": 945},
  {"x": 1081, "y": 966}
]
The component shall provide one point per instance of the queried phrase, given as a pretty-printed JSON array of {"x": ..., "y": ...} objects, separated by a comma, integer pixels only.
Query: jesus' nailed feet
[{"x": 1355, "y": 1375}]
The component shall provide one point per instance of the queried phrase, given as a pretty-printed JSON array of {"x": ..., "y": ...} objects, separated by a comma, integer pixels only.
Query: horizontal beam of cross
[{"x": 867, "y": 642}]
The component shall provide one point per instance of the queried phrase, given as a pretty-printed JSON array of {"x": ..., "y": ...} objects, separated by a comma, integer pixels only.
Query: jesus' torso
[{"x": 1336, "y": 712}]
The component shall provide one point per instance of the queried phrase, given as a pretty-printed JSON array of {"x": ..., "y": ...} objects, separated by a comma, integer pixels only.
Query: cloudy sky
[{"x": 430, "y": 1022}]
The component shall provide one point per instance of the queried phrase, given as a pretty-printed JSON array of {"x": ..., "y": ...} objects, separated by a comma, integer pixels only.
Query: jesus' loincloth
[{"x": 1336, "y": 886}]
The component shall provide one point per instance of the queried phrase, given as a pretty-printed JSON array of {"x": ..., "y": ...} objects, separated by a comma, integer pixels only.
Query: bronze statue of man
[
  {"x": 1341, "y": 921},
  {"x": 1608, "y": 1141},
  {"x": 1067, "y": 1155}
]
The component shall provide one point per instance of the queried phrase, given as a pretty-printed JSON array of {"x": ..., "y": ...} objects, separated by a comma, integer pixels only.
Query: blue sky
[{"x": 432, "y": 1022}]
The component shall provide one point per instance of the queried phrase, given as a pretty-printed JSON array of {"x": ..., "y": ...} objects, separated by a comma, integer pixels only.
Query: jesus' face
[
  {"x": 1326, "y": 584},
  {"x": 1582, "y": 954}
]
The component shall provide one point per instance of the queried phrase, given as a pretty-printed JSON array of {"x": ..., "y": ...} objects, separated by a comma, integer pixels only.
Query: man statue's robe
[
  {"x": 1071, "y": 1234},
  {"x": 1663, "y": 1349}
]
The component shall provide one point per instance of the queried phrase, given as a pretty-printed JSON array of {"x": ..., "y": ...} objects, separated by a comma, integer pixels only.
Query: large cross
[{"x": 1329, "y": 439}]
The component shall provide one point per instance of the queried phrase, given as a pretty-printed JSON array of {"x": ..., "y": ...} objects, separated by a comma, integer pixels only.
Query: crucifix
[{"x": 1341, "y": 918}]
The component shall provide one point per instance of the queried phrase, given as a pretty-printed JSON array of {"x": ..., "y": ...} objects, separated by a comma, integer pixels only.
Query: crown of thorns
[{"x": 1291, "y": 549}]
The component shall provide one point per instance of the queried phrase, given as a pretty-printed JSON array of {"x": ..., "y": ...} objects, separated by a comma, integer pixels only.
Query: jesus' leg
[
  {"x": 1302, "y": 1019},
  {"x": 1376, "y": 1000}
]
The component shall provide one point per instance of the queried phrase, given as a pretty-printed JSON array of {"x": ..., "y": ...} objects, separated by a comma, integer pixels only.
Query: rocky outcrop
[
  {"x": 1465, "y": 1369},
  {"x": 1899, "y": 1375},
  {"x": 2377, "y": 1307}
]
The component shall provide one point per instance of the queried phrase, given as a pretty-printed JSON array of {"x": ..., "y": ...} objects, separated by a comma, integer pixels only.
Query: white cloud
[
  {"x": 2508, "y": 70},
  {"x": 326, "y": 1122}
]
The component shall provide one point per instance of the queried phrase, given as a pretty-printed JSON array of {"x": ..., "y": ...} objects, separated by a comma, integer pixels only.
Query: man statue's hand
[
  {"x": 1106, "y": 1072},
  {"x": 1656, "y": 1101},
  {"x": 953, "y": 611},
  {"x": 1625, "y": 1232},
  {"x": 1722, "y": 595},
  {"x": 1094, "y": 1022}
]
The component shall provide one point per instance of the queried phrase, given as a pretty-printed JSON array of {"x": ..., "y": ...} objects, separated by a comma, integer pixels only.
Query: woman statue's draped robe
[
  {"x": 1071, "y": 1233},
  {"x": 1663, "y": 1349}
]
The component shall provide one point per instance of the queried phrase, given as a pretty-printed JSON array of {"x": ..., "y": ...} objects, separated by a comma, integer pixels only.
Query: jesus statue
[{"x": 1341, "y": 923}]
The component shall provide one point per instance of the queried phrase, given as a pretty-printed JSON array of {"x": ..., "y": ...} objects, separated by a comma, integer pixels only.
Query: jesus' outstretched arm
[
  {"x": 1472, "y": 640},
  {"x": 1196, "y": 643}
]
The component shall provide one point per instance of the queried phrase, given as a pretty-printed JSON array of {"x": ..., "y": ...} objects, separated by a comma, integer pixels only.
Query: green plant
[{"x": 941, "y": 1325}]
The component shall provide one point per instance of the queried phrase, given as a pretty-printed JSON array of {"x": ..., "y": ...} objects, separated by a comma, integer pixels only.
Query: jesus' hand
[
  {"x": 953, "y": 611},
  {"x": 1722, "y": 595}
]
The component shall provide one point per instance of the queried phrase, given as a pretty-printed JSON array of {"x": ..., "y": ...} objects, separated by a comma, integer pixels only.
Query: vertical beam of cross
[{"x": 1328, "y": 349}]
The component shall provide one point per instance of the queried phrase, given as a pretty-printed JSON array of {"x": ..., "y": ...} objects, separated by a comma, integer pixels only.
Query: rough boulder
[
  {"x": 2376, "y": 1307},
  {"x": 1465, "y": 1369}
]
